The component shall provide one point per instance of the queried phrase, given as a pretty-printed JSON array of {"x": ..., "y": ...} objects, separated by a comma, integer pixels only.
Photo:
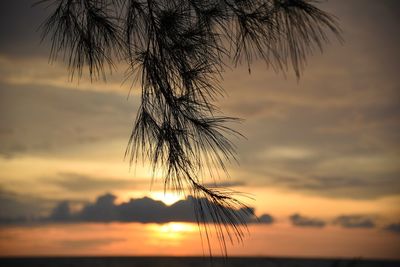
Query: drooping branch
[{"x": 177, "y": 51}]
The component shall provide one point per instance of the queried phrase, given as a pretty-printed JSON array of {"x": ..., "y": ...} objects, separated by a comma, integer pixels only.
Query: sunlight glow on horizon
[
  {"x": 173, "y": 232},
  {"x": 183, "y": 239}
]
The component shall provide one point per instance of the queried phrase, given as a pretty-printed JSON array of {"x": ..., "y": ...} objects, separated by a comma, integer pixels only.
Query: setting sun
[
  {"x": 177, "y": 228},
  {"x": 173, "y": 233}
]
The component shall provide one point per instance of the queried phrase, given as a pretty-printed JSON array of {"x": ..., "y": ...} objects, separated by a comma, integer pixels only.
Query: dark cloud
[
  {"x": 266, "y": 219},
  {"x": 144, "y": 210},
  {"x": 61, "y": 213},
  {"x": 302, "y": 221},
  {"x": 16, "y": 208},
  {"x": 393, "y": 227},
  {"x": 355, "y": 221}
]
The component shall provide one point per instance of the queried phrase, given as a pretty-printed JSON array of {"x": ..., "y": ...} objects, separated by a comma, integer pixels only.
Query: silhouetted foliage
[{"x": 177, "y": 51}]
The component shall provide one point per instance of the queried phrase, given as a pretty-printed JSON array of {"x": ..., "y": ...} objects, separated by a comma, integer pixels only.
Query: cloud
[
  {"x": 355, "y": 221},
  {"x": 19, "y": 209},
  {"x": 47, "y": 120},
  {"x": 221, "y": 184},
  {"x": 265, "y": 219},
  {"x": 75, "y": 182},
  {"x": 393, "y": 227},
  {"x": 302, "y": 221},
  {"x": 61, "y": 213},
  {"x": 143, "y": 210},
  {"x": 16, "y": 208},
  {"x": 38, "y": 72},
  {"x": 343, "y": 186}
]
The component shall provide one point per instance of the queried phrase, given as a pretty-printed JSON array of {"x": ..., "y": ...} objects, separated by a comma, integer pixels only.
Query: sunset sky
[{"x": 320, "y": 161}]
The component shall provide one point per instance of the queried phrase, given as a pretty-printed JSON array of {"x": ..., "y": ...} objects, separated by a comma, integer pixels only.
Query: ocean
[{"x": 189, "y": 262}]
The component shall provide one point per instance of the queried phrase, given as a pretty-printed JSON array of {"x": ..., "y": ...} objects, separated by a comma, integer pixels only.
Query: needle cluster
[{"x": 177, "y": 51}]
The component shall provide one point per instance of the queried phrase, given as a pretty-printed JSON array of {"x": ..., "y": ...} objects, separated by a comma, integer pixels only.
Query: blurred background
[{"x": 321, "y": 158}]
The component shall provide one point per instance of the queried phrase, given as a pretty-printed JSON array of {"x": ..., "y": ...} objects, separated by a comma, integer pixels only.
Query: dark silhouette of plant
[{"x": 177, "y": 51}]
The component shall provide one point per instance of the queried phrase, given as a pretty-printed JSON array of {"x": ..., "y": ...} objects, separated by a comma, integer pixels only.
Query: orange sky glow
[{"x": 183, "y": 239}]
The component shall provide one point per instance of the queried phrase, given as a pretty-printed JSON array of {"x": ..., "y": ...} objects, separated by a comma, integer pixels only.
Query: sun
[
  {"x": 167, "y": 198},
  {"x": 177, "y": 227},
  {"x": 172, "y": 233}
]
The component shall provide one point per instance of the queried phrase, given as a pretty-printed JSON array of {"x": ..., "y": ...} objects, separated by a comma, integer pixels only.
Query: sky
[{"x": 320, "y": 161}]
